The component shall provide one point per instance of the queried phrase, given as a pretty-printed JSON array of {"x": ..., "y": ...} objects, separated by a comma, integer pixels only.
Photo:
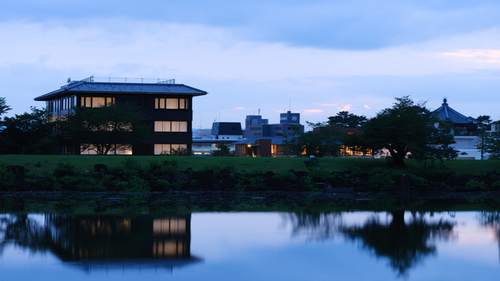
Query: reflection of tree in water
[
  {"x": 25, "y": 232},
  {"x": 491, "y": 220},
  {"x": 313, "y": 226},
  {"x": 405, "y": 245}
]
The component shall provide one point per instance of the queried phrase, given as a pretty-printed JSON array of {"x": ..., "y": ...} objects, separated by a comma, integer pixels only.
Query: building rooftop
[
  {"x": 445, "y": 112},
  {"x": 123, "y": 86},
  {"x": 227, "y": 128}
]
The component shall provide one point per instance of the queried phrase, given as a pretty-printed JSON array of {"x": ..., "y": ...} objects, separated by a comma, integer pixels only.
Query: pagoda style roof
[
  {"x": 90, "y": 85},
  {"x": 445, "y": 112}
]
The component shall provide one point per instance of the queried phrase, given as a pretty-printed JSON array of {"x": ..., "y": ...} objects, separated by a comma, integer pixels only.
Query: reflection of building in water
[
  {"x": 169, "y": 238},
  {"x": 143, "y": 240}
]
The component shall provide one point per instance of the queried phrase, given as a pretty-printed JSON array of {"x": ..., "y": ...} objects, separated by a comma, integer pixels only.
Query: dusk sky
[{"x": 313, "y": 57}]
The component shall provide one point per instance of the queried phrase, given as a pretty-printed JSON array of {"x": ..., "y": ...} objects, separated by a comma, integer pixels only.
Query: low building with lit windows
[{"x": 166, "y": 106}]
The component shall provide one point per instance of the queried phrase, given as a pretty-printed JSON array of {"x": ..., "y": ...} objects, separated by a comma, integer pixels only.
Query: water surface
[{"x": 252, "y": 246}]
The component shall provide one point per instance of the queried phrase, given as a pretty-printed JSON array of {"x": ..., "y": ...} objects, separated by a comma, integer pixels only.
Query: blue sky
[{"x": 314, "y": 57}]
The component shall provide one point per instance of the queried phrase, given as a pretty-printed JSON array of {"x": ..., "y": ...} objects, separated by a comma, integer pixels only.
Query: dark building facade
[
  {"x": 258, "y": 127},
  {"x": 227, "y": 130},
  {"x": 166, "y": 106}
]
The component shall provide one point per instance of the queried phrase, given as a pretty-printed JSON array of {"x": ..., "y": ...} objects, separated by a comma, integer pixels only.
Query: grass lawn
[{"x": 239, "y": 164}]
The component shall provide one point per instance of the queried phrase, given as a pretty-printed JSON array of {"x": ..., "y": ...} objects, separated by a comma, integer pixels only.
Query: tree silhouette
[
  {"x": 405, "y": 245},
  {"x": 492, "y": 219}
]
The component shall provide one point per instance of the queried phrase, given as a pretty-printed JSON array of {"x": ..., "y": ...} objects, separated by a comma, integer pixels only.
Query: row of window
[
  {"x": 61, "y": 104},
  {"x": 69, "y": 102},
  {"x": 159, "y": 149},
  {"x": 97, "y": 101},
  {"x": 114, "y": 151},
  {"x": 168, "y": 148},
  {"x": 171, "y": 126},
  {"x": 171, "y": 103}
]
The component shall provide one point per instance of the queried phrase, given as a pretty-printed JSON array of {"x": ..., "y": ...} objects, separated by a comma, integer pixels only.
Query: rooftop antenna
[
  {"x": 289, "y": 104},
  {"x": 69, "y": 80},
  {"x": 259, "y": 111}
]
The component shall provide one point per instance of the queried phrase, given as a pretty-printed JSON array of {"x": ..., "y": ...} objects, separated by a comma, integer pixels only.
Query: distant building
[
  {"x": 206, "y": 143},
  {"x": 446, "y": 113},
  {"x": 261, "y": 147},
  {"x": 227, "y": 131},
  {"x": 258, "y": 127},
  {"x": 464, "y": 143}
]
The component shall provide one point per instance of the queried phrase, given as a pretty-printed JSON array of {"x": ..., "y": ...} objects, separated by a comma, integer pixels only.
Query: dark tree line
[
  {"x": 407, "y": 128},
  {"x": 101, "y": 129}
]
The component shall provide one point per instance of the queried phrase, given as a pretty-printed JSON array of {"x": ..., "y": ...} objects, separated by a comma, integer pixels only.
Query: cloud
[
  {"x": 325, "y": 24},
  {"x": 312, "y": 111},
  {"x": 346, "y": 107},
  {"x": 232, "y": 109},
  {"x": 489, "y": 56},
  {"x": 366, "y": 106}
]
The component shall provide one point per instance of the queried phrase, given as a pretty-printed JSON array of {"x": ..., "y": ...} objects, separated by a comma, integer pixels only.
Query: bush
[
  {"x": 65, "y": 169},
  {"x": 135, "y": 183},
  {"x": 44, "y": 181},
  {"x": 384, "y": 178},
  {"x": 78, "y": 183},
  {"x": 132, "y": 164},
  {"x": 477, "y": 185},
  {"x": 6, "y": 178}
]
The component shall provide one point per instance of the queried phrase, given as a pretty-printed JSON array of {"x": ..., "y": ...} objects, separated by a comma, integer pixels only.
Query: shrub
[
  {"x": 477, "y": 185},
  {"x": 6, "y": 178},
  {"x": 496, "y": 185},
  {"x": 65, "y": 169},
  {"x": 384, "y": 178},
  {"x": 132, "y": 164},
  {"x": 43, "y": 181},
  {"x": 135, "y": 183},
  {"x": 78, "y": 183}
]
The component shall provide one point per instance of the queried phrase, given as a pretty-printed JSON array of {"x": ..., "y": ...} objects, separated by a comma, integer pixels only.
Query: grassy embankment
[{"x": 46, "y": 163}]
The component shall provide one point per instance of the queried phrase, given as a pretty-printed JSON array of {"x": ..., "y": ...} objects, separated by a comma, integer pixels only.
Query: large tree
[
  {"x": 104, "y": 129},
  {"x": 324, "y": 140},
  {"x": 3, "y": 106},
  {"x": 408, "y": 128},
  {"x": 28, "y": 133},
  {"x": 344, "y": 119}
]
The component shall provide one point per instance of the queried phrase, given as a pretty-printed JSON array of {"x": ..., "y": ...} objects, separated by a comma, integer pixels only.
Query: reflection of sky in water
[{"x": 260, "y": 246}]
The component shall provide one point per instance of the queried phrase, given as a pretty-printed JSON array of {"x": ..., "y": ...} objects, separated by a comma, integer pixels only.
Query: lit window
[
  {"x": 167, "y": 148},
  {"x": 171, "y": 126},
  {"x": 172, "y": 104},
  {"x": 96, "y": 101}
]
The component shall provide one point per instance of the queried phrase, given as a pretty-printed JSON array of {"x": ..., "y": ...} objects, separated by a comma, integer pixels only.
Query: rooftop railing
[{"x": 124, "y": 80}]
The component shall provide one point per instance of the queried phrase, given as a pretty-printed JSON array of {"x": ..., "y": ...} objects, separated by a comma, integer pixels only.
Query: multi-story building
[
  {"x": 258, "y": 127},
  {"x": 166, "y": 106}
]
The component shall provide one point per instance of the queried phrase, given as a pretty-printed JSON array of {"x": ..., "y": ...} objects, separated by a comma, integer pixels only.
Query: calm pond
[{"x": 252, "y": 246}]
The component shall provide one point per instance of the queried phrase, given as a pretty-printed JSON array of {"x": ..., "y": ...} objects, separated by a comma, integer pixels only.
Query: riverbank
[{"x": 182, "y": 202}]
